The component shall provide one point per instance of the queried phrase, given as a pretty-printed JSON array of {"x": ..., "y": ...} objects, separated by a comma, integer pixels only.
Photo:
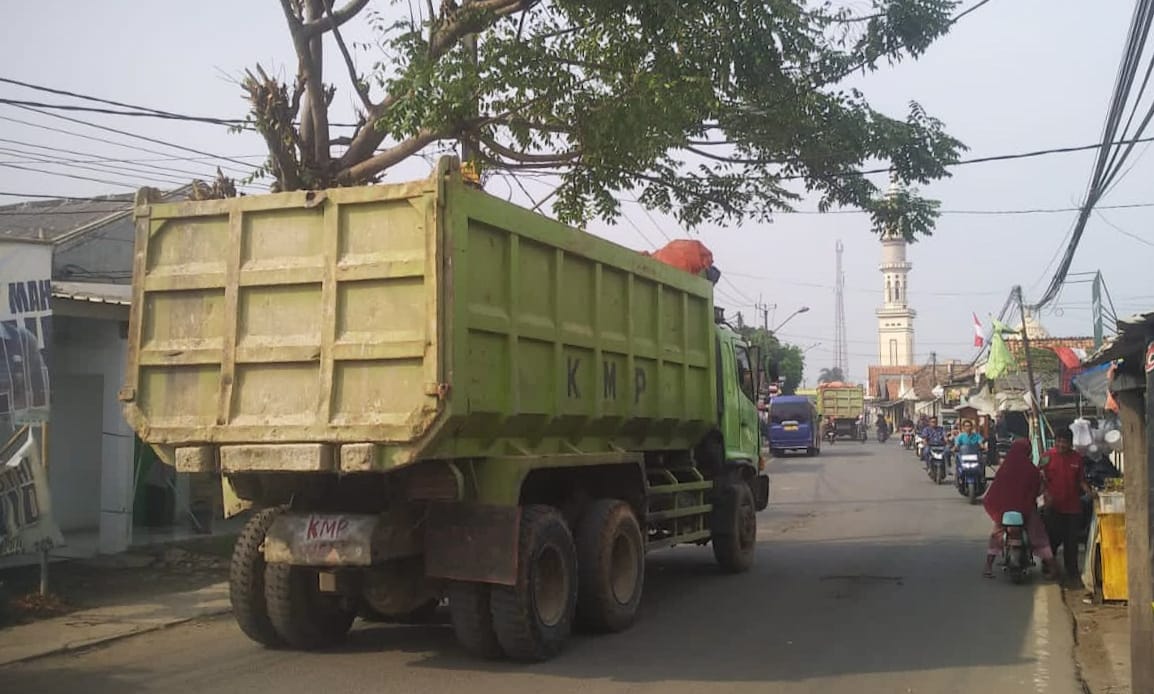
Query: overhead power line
[
  {"x": 1112, "y": 156},
  {"x": 75, "y": 176},
  {"x": 247, "y": 166},
  {"x": 115, "y": 169},
  {"x": 1029, "y": 210},
  {"x": 125, "y": 109},
  {"x": 104, "y": 140}
]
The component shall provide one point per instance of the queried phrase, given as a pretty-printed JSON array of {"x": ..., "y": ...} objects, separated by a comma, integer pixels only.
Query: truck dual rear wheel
[
  {"x": 734, "y": 527},
  {"x": 534, "y": 617},
  {"x": 303, "y": 616},
  {"x": 246, "y": 580},
  {"x": 469, "y": 609},
  {"x": 611, "y": 566}
]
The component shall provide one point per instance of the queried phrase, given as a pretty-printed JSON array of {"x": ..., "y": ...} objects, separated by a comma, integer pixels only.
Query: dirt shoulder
[
  {"x": 1102, "y": 643},
  {"x": 108, "y": 580}
]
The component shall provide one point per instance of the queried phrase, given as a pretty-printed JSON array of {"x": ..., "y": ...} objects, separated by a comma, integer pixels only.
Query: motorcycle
[
  {"x": 907, "y": 438},
  {"x": 1017, "y": 557},
  {"x": 939, "y": 459},
  {"x": 882, "y": 435},
  {"x": 831, "y": 435},
  {"x": 970, "y": 475}
]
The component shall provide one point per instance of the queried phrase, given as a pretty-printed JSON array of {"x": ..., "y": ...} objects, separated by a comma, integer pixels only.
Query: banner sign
[
  {"x": 26, "y": 523},
  {"x": 25, "y": 334}
]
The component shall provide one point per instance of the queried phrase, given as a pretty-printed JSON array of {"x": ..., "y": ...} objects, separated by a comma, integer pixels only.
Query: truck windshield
[{"x": 789, "y": 412}]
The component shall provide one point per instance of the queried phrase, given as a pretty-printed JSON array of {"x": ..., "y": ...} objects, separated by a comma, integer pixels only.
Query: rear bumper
[{"x": 459, "y": 541}]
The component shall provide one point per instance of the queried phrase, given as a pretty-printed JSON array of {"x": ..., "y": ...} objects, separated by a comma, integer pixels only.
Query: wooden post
[
  {"x": 1131, "y": 406},
  {"x": 1140, "y": 541},
  {"x": 1035, "y": 420},
  {"x": 44, "y": 465}
]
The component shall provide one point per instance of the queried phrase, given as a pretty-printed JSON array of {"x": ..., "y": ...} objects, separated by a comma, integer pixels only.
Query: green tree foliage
[
  {"x": 789, "y": 358},
  {"x": 714, "y": 112},
  {"x": 830, "y": 375}
]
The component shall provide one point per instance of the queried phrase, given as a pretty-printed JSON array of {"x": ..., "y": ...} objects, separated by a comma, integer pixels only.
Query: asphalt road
[{"x": 867, "y": 579}]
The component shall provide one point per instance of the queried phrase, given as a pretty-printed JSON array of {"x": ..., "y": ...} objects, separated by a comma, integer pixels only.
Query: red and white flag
[{"x": 979, "y": 339}]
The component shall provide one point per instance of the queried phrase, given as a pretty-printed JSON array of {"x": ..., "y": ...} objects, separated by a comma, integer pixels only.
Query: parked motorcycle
[
  {"x": 970, "y": 474},
  {"x": 939, "y": 459},
  {"x": 1017, "y": 557}
]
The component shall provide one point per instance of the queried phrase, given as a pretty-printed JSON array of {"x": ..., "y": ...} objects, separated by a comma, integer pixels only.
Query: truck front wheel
[
  {"x": 611, "y": 566},
  {"x": 303, "y": 616},
  {"x": 534, "y": 617},
  {"x": 246, "y": 580},
  {"x": 734, "y": 527}
]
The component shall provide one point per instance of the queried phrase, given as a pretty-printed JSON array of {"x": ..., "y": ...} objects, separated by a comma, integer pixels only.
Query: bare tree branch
[
  {"x": 361, "y": 88},
  {"x": 314, "y": 117},
  {"x": 390, "y": 157},
  {"x": 332, "y": 20}
]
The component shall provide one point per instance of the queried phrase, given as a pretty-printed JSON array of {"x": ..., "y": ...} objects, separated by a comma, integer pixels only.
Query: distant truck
[
  {"x": 426, "y": 392},
  {"x": 844, "y": 404}
]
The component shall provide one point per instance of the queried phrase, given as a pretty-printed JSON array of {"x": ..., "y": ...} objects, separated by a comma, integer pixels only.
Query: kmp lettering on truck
[
  {"x": 322, "y": 528},
  {"x": 609, "y": 380},
  {"x": 574, "y": 364}
]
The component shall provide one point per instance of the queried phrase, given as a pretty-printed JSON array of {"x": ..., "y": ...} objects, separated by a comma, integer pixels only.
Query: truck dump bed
[
  {"x": 842, "y": 402},
  {"x": 360, "y": 329}
]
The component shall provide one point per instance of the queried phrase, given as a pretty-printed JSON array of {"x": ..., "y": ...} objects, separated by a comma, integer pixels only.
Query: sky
[{"x": 1013, "y": 76}]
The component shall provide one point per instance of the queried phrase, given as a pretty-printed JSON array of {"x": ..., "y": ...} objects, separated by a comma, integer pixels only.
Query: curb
[{"x": 89, "y": 644}]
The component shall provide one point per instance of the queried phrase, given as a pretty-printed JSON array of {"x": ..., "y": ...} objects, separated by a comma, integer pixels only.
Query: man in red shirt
[{"x": 1064, "y": 482}]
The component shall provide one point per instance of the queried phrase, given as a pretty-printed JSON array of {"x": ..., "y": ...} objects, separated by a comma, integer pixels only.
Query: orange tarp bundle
[{"x": 685, "y": 254}]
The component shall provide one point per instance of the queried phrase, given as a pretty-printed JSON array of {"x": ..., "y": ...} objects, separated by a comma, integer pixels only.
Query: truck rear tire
[
  {"x": 469, "y": 609},
  {"x": 303, "y": 616},
  {"x": 246, "y": 580},
  {"x": 734, "y": 527},
  {"x": 610, "y": 565},
  {"x": 534, "y": 617}
]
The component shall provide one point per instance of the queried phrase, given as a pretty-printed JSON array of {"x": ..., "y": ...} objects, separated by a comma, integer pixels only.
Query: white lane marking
[{"x": 1041, "y": 640}]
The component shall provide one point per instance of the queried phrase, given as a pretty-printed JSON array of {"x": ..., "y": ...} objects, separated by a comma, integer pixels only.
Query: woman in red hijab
[{"x": 1016, "y": 487}]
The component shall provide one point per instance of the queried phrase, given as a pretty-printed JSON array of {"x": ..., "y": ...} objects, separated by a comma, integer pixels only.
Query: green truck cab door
[{"x": 738, "y": 389}]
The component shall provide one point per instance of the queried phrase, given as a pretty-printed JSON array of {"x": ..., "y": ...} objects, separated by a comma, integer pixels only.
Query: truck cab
[{"x": 740, "y": 371}]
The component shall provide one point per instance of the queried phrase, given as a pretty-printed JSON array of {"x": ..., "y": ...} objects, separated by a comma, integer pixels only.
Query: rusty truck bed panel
[{"x": 292, "y": 317}]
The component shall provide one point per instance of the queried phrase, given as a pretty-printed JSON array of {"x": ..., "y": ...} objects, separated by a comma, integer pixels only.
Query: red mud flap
[{"x": 472, "y": 542}]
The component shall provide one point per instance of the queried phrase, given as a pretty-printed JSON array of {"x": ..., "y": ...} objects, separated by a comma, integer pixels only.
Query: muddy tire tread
[
  {"x": 597, "y": 607},
  {"x": 246, "y": 580},
  {"x": 472, "y": 619},
  {"x": 286, "y": 589},
  {"x": 514, "y": 620}
]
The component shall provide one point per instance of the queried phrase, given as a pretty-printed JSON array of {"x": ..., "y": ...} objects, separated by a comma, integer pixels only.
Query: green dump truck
[
  {"x": 424, "y": 392},
  {"x": 844, "y": 404}
]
